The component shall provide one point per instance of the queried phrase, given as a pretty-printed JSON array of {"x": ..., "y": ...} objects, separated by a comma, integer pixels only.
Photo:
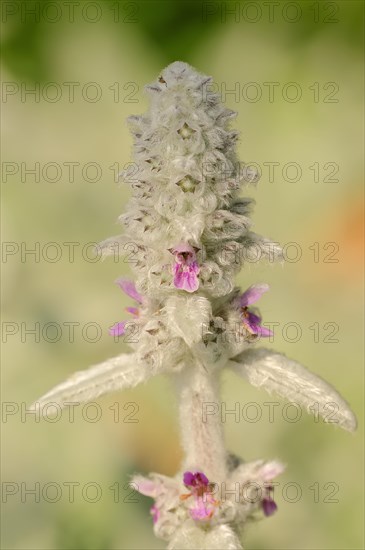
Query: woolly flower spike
[
  {"x": 129, "y": 288},
  {"x": 251, "y": 320},
  {"x": 212, "y": 514},
  {"x": 185, "y": 183},
  {"x": 186, "y": 268}
]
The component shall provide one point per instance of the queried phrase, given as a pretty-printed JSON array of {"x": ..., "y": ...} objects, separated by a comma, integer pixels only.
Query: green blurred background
[{"x": 121, "y": 46}]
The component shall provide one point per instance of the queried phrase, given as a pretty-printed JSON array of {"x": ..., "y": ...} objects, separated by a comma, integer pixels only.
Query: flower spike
[{"x": 187, "y": 231}]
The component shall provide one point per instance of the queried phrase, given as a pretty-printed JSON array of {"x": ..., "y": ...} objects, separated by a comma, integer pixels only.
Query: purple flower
[
  {"x": 200, "y": 488},
  {"x": 251, "y": 320},
  {"x": 268, "y": 505},
  {"x": 128, "y": 288},
  {"x": 186, "y": 268}
]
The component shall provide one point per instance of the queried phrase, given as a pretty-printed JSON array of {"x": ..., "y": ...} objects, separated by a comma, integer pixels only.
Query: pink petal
[
  {"x": 195, "y": 480},
  {"x": 201, "y": 479},
  {"x": 118, "y": 329},
  {"x": 155, "y": 513},
  {"x": 145, "y": 486},
  {"x": 129, "y": 288},
  {"x": 133, "y": 310},
  {"x": 252, "y": 294},
  {"x": 256, "y": 328},
  {"x": 264, "y": 332},
  {"x": 253, "y": 324},
  {"x": 270, "y": 470},
  {"x": 189, "y": 478},
  {"x": 200, "y": 512},
  {"x": 252, "y": 320},
  {"x": 186, "y": 277}
]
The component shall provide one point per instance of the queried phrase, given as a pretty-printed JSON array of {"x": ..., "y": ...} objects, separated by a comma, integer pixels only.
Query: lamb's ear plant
[{"x": 190, "y": 234}]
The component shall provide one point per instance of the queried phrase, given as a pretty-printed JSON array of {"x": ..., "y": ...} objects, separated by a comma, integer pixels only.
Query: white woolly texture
[
  {"x": 201, "y": 432},
  {"x": 237, "y": 496},
  {"x": 258, "y": 471},
  {"x": 185, "y": 184},
  {"x": 187, "y": 315},
  {"x": 189, "y": 535},
  {"x": 118, "y": 373},
  {"x": 186, "y": 235},
  {"x": 277, "y": 374}
]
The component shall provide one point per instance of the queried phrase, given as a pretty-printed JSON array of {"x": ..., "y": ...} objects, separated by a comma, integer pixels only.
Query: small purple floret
[
  {"x": 186, "y": 268},
  {"x": 251, "y": 320},
  {"x": 204, "y": 505},
  {"x": 269, "y": 506}
]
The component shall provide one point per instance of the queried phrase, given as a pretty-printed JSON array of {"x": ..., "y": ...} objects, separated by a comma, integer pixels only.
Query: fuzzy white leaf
[
  {"x": 278, "y": 374},
  {"x": 118, "y": 373},
  {"x": 187, "y": 316}
]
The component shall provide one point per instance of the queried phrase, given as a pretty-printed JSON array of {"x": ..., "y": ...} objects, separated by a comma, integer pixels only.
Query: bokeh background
[{"x": 120, "y": 46}]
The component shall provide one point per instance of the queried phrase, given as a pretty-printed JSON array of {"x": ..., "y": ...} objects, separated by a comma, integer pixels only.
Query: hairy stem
[{"x": 201, "y": 428}]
